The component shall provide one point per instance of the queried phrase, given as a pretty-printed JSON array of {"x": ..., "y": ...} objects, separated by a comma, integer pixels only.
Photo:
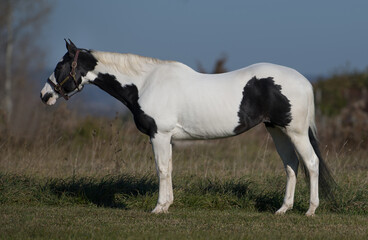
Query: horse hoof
[
  {"x": 283, "y": 210},
  {"x": 310, "y": 214},
  {"x": 160, "y": 209},
  {"x": 280, "y": 213}
]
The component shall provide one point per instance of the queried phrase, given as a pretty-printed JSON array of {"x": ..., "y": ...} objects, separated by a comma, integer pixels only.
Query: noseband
[{"x": 58, "y": 86}]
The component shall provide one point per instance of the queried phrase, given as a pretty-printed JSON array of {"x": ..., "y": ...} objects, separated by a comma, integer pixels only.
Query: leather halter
[{"x": 58, "y": 86}]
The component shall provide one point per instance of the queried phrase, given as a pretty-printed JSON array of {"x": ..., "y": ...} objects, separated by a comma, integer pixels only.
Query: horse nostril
[{"x": 46, "y": 97}]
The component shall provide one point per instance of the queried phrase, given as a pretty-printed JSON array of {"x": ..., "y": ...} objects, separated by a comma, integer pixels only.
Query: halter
[{"x": 58, "y": 86}]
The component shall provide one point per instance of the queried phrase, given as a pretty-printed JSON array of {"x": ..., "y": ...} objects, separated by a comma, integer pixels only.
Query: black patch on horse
[
  {"x": 263, "y": 102},
  {"x": 129, "y": 96},
  {"x": 46, "y": 97},
  {"x": 86, "y": 62}
]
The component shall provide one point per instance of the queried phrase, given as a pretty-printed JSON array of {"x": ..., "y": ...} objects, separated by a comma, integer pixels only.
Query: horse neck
[
  {"x": 128, "y": 69},
  {"x": 122, "y": 75}
]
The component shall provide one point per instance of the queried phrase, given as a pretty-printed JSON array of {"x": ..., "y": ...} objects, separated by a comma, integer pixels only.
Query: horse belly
[{"x": 208, "y": 118}]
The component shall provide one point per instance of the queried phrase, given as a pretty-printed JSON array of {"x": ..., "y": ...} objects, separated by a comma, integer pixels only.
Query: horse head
[{"x": 67, "y": 78}]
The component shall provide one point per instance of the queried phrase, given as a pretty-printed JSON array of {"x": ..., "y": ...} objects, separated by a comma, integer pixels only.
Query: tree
[{"x": 20, "y": 20}]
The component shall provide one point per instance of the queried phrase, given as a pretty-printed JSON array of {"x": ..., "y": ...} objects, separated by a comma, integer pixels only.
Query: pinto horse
[{"x": 169, "y": 100}]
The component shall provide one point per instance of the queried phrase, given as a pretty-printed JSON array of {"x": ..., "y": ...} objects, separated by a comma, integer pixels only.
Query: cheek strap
[{"x": 58, "y": 87}]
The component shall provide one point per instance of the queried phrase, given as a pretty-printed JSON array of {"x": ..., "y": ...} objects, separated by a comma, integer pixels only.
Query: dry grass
[
  {"x": 98, "y": 174},
  {"x": 64, "y": 145},
  {"x": 90, "y": 146},
  {"x": 129, "y": 151},
  {"x": 86, "y": 146}
]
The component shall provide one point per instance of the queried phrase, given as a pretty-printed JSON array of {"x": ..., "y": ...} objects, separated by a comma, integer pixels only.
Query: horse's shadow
[
  {"x": 103, "y": 191},
  {"x": 247, "y": 193},
  {"x": 109, "y": 191}
]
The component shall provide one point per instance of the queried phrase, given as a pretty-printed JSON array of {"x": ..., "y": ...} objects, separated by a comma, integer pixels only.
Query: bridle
[{"x": 58, "y": 86}]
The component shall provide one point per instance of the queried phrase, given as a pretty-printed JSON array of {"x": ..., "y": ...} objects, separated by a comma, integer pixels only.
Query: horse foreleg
[{"x": 162, "y": 150}]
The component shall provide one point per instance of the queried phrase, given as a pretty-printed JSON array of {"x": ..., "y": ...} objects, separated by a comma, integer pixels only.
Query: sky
[{"x": 314, "y": 37}]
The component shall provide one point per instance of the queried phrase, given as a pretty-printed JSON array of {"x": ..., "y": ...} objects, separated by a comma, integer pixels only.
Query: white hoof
[
  {"x": 280, "y": 212},
  {"x": 283, "y": 210},
  {"x": 310, "y": 213},
  {"x": 160, "y": 209},
  {"x": 311, "y": 210}
]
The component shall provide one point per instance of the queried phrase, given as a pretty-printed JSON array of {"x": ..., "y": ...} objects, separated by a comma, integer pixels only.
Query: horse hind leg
[
  {"x": 286, "y": 150},
  {"x": 310, "y": 159}
]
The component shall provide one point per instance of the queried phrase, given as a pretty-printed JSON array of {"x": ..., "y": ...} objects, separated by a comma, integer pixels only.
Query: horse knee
[
  {"x": 313, "y": 166},
  {"x": 290, "y": 173},
  {"x": 163, "y": 173}
]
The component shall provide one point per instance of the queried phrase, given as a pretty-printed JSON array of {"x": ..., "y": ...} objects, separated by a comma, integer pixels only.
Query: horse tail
[{"x": 325, "y": 178}]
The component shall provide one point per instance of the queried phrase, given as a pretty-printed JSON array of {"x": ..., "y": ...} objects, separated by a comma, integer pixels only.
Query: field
[
  {"x": 95, "y": 179},
  {"x": 67, "y": 176},
  {"x": 90, "y": 222}
]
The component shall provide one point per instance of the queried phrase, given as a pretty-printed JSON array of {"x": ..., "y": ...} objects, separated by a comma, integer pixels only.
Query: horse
[{"x": 171, "y": 101}]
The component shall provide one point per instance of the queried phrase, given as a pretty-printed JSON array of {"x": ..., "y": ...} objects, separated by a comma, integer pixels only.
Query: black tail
[{"x": 326, "y": 182}]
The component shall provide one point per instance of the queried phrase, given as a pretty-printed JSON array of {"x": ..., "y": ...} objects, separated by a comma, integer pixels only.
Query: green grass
[
  {"x": 99, "y": 184},
  {"x": 118, "y": 206},
  {"x": 261, "y": 194},
  {"x": 91, "y": 222}
]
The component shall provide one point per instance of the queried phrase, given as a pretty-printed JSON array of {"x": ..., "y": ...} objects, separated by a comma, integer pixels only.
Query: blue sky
[{"x": 314, "y": 37}]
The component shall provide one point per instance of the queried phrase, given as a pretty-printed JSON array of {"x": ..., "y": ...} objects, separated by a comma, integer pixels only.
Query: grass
[
  {"x": 118, "y": 207},
  {"x": 262, "y": 194},
  {"x": 90, "y": 222},
  {"x": 98, "y": 182},
  {"x": 113, "y": 147}
]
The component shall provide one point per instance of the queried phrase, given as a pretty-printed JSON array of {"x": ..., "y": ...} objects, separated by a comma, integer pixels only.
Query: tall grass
[
  {"x": 67, "y": 145},
  {"x": 107, "y": 162},
  {"x": 63, "y": 158},
  {"x": 89, "y": 146}
]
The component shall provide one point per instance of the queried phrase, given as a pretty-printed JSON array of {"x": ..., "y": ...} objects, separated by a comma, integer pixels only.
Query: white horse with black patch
[{"x": 169, "y": 100}]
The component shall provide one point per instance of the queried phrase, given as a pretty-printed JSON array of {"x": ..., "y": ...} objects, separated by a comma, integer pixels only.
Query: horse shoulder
[{"x": 160, "y": 97}]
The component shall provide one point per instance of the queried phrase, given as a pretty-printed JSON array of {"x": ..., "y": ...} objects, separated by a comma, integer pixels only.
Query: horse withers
[{"x": 169, "y": 100}]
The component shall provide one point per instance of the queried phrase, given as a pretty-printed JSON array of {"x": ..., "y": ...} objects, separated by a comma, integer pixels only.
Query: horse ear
[{"x": 70, "y": 46}]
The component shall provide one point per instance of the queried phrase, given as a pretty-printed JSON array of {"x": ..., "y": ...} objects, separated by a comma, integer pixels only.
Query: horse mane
[{"x": 127, "y": 63}]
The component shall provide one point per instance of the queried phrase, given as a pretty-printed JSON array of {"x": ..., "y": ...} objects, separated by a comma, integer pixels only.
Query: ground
[
  {"x": 90, "y": 222},
  {"x": 97, "y": 181}
]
